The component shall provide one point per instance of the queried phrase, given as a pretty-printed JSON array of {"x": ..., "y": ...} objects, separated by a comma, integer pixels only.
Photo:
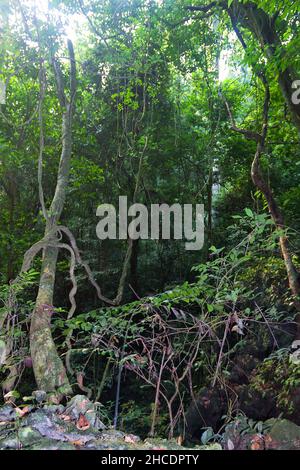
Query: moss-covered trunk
[{"x": 49, "y": 370}]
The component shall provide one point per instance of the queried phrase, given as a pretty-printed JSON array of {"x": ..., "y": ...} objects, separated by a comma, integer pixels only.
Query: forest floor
[{"x": 77, "y": 426}]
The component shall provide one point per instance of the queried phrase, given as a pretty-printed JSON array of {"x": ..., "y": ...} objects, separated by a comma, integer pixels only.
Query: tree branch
[
  {"x": 251, "y": 135},
  {"x": 73, "y": 83},
  {"x": 236, "y": 30},
  {"x": 42, "y": 80},
  {"x": 59, "y": 79},
  {"x": 203, "y": 8}
]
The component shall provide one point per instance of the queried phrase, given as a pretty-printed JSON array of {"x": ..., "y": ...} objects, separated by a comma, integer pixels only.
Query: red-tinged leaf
[
  {"x": 131, "y": 439},
  {"x": 257, "y": 443},
  {"x": 78, "y": 443},
  {"x": 82, "y": 423},
  {"x": 22, "y": 411}
]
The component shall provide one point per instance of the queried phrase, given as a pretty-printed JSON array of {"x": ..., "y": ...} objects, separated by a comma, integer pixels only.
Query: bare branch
[
  {"x": 85, "y": 265},
  {"x": 42, "y": 140},
  {"x": 236, "y": 30},
  {"x": 73, "y": 83},
  {"x": 247, "y": 133},
  {"x": 59, "y": 79}
]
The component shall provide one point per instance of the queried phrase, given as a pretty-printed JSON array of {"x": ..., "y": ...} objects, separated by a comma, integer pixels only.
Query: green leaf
[
  {"x": 249, "y": 213},
  {"x": 12, "y": 394}
]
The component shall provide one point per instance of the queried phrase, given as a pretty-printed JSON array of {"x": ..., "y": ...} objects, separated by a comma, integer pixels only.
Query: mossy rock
[
  {"x": 213, "y": 446},
  {"x": 28, "y": 436},
  {"x": 153, "y": 442},
  {"x": 283, "y": 435},
  {"x": 156, "y": 443},
  {"x": 11, "y": 442},
  {"x": 51, "y": 444}
]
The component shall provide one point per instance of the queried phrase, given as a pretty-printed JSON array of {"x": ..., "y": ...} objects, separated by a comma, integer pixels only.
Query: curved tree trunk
[
  {"x": 264, "y": 187},
  {"x": 49, "y": 371},
  {"x": 48, "y": 368},
  {"x": 263, "y": 27},
  {"x": 277, "y": 216}
]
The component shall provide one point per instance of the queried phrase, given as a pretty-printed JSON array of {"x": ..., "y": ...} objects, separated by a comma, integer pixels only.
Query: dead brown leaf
[
  {"x": 257, "y": 443},
  {"x": 22, "y": 411},
  {"x": 131, "y": 439},
  {"x": 78, "y": 443},
  {"x": 82, "y": 423},
  {"x": 65, "y": 417}
]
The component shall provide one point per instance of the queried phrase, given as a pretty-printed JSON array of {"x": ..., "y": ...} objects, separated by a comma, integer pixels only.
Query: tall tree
[
  {"x": 48, "y": 368},
  {"x": 262, "y": 25}
]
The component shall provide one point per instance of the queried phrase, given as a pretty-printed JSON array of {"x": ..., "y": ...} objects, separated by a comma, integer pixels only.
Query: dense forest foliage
[{"x": 165, "y": 102}]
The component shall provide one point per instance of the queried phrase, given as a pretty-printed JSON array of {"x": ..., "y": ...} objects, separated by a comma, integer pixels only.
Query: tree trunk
[
  {"x": 12, "y": 193},
  {"x": 130, "y": 242},
  {"x": 264, "y": 187},
  {"x": 48, "y": 368},
  {"x": 134, "y": 266},
  {"x": 49, "y": 371},
  {"x": 292, "y": 273},
  {"x": 263, "y": 27},
  {"x": 209, "y": 208}
]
